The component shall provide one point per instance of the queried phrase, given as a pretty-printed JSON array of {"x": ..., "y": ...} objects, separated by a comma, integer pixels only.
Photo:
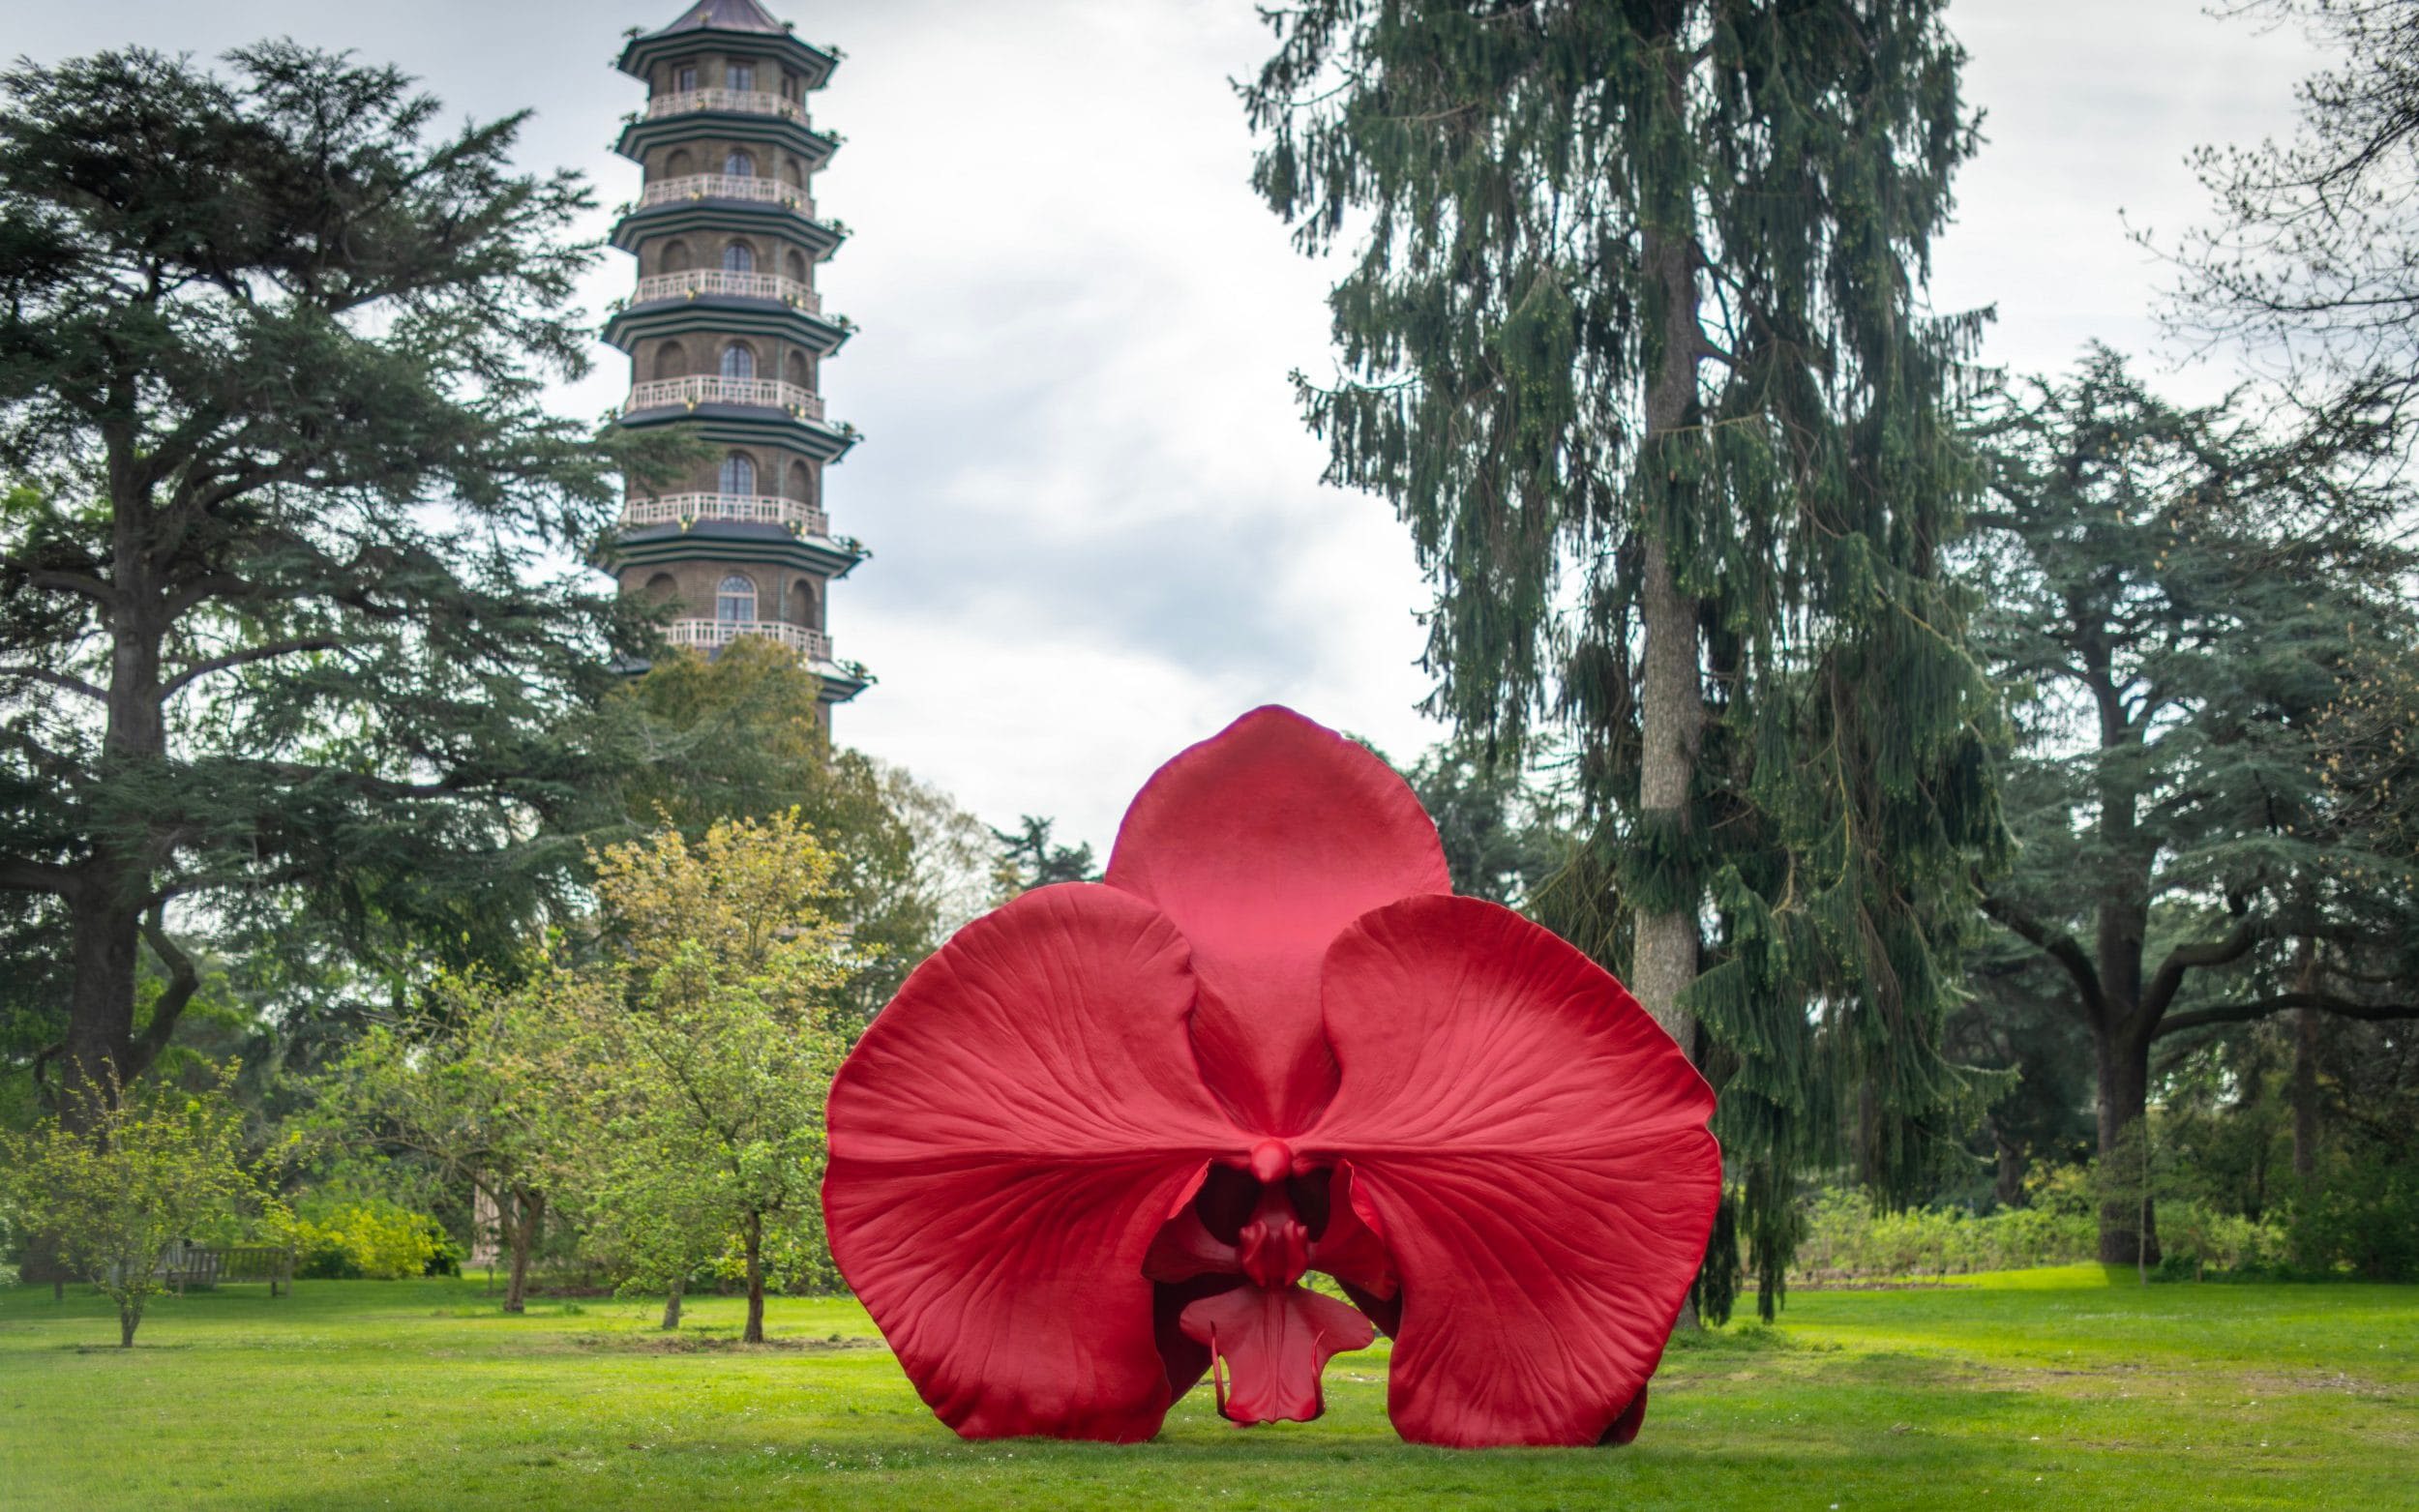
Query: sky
[{"x": 1097, "y": 525}]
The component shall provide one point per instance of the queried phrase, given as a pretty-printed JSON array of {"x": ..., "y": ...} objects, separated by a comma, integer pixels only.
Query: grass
[{"x": 2060, "y": 1388}]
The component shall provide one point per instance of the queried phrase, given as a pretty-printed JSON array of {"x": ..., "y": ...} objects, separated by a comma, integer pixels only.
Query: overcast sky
[{"x": 1097, "y": 525}]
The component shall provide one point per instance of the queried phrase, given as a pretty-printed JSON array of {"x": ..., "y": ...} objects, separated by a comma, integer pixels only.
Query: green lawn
[{"x": 2045, "y": 1389}]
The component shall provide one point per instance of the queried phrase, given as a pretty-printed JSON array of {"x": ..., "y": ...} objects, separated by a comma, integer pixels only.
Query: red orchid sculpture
[{"x": 1090, "y": 1149}]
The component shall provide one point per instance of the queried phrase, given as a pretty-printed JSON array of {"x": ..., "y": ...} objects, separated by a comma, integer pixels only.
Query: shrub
[
  {"x": 367, "y": 1239},
  {"x": 1847, "y": 1236}
]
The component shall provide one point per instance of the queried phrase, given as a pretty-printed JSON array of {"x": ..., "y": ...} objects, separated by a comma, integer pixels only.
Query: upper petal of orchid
[
  {"x": 1533, "y": 1150},
  {"x": 1261, "y": 844},
  {"x": 1005, "y": 1141}
]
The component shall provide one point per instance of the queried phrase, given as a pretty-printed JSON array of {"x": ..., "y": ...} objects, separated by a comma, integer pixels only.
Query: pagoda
[{"x": 727, "y": 336}]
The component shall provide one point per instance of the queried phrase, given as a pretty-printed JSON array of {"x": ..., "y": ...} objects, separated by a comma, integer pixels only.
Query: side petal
[
  {"x": 1534, "y": 1151},
  {"x": 1274, "y": 1340},
  {"x": 1261, "y": 843},
  {"x": 1005, "y": 1141}
]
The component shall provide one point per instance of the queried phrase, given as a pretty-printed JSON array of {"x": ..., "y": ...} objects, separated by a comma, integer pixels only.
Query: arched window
[
  {"x": 670, "y": 362},
  {"x": 802, "y": 604},
  {"x": 797, "y": 268},
  {"x": 790, "y": 175},
  {"x": 738, "y": 473},
  {"x": 740, "y": 76},
  {"x": 684, "y": 79},
  {"x": 739, "y": 164},
  {"x": 738, "y": 362},
  {"x": 675, "y": 258},
  {"x": 660, "y": 588},
  {"x": 795, "y": 372},
  {"x": 801, "y": 482},
  {"x": 734, "y": 601},
  {"x": 738, "y": 258}
]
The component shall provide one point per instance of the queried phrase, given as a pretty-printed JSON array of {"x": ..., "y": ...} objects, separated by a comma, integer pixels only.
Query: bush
[
  {"x": 368, "y": 1239},
  {"x": 1846, "y": 1236},
  {"x": 2363, "y": 1216}
]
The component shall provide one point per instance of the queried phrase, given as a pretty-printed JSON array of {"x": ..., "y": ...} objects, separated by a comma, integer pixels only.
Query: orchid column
[{"x": 727, "y": 334}]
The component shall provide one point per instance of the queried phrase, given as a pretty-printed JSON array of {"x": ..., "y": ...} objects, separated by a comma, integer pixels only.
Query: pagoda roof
[{"x": 741, "y": 25}]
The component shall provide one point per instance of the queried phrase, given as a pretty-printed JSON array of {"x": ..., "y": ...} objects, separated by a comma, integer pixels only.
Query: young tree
[
  {"x": 722, "y": 1037},
  {"x": 2188, "y": 611},
  {"x": 148, "y": 1170},
  {"x": 485, "y": 1087},
  {"x": 1634, "y": 346},
  {"x": 276, "y": 613}
]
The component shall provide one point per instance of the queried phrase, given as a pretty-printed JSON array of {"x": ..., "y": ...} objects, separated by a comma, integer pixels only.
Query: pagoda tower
[{"x": 727, "y": 336}]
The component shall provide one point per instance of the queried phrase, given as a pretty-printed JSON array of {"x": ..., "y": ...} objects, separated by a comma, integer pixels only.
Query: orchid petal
[
  {"x": 1276, "y": 1341},
  {"x": 1261, "y": 844},
  {"x": 1534, "y": 1150},
  {"x": 1006, "y": 1139}
]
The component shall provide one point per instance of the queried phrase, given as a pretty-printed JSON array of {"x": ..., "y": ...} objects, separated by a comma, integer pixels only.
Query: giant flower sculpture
[{"x": 1091, "y": 1150}]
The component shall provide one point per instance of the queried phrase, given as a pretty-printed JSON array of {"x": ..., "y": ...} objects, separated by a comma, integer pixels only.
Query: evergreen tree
[
  {"x": 1635, "y": 347},
  {"x": 2206, "y": 631},
  {"x": 276, "y": 618}
]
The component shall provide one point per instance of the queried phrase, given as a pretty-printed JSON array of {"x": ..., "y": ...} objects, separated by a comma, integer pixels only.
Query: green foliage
[
  {"x": 1633, "y": 320},
  {"x": 1026, "y": 858},
  {"x": 1502, "y": 834},
  {"x": 288, "y": 545},
  {"x": 365, "y": 1240},
  {"x": 154, "y": 1166},
  {"x": 1848, "y": 1236}
]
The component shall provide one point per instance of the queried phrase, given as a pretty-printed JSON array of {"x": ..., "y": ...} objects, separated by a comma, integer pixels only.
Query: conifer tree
[
  {"x": 287, "y": 607},
  {"x": 1634, "y": 341}
]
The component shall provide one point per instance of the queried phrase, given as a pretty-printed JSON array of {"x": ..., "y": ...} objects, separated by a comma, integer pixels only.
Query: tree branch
[
  {"x": 183, "y": 981},
  {"x": 2261, "y": 1007},
  {"x": 44, "y": 675},
  {"x": 2163, "y": 988},
  {"x": 19, "y": 876},
  {"x": 259, "y": 653},
  {"x": 2060, "y": 947}
]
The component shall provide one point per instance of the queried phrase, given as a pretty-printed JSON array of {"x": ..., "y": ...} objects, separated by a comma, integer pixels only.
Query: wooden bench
[{"x": 184, "y": 1265}]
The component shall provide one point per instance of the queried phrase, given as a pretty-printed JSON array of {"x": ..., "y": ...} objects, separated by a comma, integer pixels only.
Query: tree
[
  {"x": 485, "y": 1087},
  {"x": 277, "y": 613},
  {"x": 721, "y": 1035},
  {"x": 1027, "y": 858},
  {"x": 2197, "y": 619},
  {"x": 739, "y": 736},
  {"x": 147, "y": 1171},
  {"x": 1501, "y": 838},
  {"x": 2314, "y": 263},
  {"x": 1632, "y": 343}
]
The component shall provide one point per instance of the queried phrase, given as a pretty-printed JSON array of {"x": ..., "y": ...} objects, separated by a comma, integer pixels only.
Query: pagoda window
[
  {"x": 797, "y": 374},
  {"x": 739, "y": 164},
  {"x": 740, "y": 77},
  {"x": 684, "y": 79},
  {"x": 675, "y": 256},
  {"x": 660, "y": 587},
  {"x": 797, "y": 268},
  {"x": 802, "y": 604},
  {"x": 738, "y": 361},
  {"x": 680, "y": 164},
  {"x": 734, "y": 601},
  {"x": 801, "y": 482},
  {"x": 738, "y": 258},
  {"x": 670, "y": 361},
  {"x": 738, "y": 476}
]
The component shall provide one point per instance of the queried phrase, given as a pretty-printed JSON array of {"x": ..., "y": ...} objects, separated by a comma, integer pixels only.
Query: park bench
[{"x": 184, "y": 1265}]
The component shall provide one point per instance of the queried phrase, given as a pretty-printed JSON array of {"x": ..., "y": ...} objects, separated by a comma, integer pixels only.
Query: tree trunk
[
  {"x": 520, "y": 1233},
  {"x": 2007, "y": 1187},
  {"x": 755, "y": 1333},
  {"x": 128, "y": 1318},
  {"x": 105, "y": 934},
  {"x": 2129, "y": 1232},
  {"x": 2305, "y": 1095},
  {"x": 672, "y": 1303}
]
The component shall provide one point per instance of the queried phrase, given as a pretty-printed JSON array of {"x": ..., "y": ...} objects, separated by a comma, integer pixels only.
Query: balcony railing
[
  {"x": 704, "y": 389},
  {"x": 739, "y": 285},
  {"x": 729, "y": 186},
  {"x": 812, "y": 645},
  {"x": 681, "y": 509},
  {"x": 746, "y": 102}
]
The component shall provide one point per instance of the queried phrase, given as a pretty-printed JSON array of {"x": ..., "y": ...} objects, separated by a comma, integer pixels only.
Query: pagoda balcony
[
  {"x": 740, "y": 101},
  {"x": 706, "y": 389},
  {"x": 729, "y": 186},
  {"x": 660, "y": 287},
  {"x": 713, "y": 634},
  {"x": 687, "y": 509}
]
